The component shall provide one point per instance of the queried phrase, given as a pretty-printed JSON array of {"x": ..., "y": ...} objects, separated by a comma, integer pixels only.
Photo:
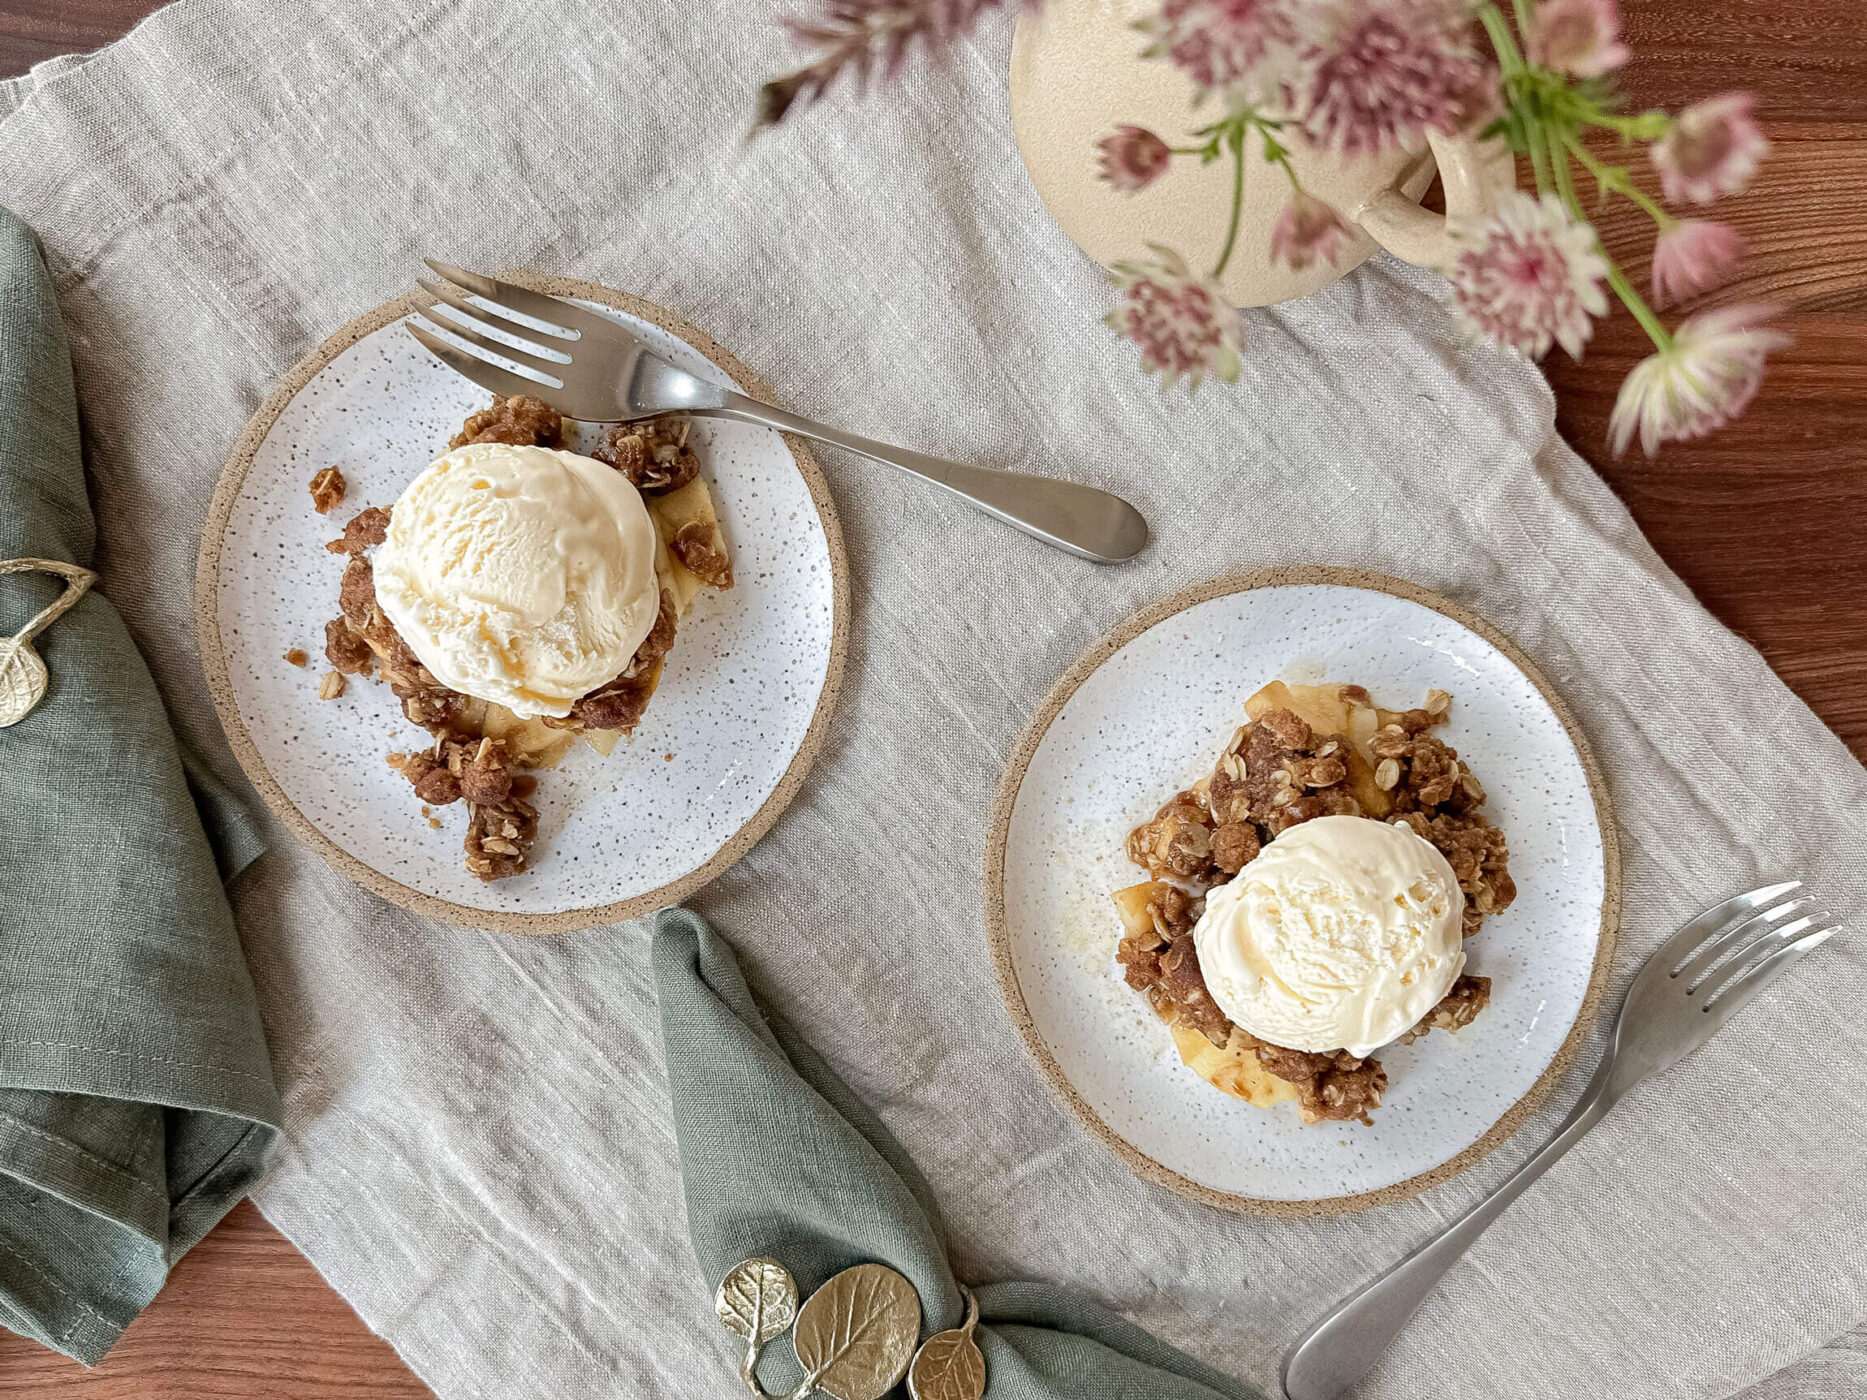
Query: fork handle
[
  {"x": 1080, "y": 519},
  {"x": 1344, "y": 1345}
]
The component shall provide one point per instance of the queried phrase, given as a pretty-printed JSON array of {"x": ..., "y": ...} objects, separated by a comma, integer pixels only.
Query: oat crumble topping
[{"x": 1277, "y": 771}]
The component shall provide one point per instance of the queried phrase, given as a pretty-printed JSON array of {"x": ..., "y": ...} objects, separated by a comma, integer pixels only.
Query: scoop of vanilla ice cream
[
  {"x": 1342, "y": 934},
  {"x": 522, "y": 575}
]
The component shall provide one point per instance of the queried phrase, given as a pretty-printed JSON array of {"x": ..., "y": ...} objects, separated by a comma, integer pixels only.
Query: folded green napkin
[
  {"x": 136, "y": 1101},
  {"x": 780, "y": 1160}
]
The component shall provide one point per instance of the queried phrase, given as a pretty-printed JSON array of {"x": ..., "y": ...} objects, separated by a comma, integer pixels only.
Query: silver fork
[
  {"x": 591, "y": 368},
  {"x": 1698, "y": 980}
]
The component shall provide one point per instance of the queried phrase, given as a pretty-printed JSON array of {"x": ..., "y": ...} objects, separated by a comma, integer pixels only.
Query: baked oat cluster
[
  {"x": 482, "y": 753},
  {"x": 1306, "y": 752}
]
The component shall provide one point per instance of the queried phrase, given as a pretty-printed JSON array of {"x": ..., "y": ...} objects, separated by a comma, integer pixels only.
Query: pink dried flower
[
  {"x": 1181, "y": 320},
  {"x": 1244, "y": 48},
  {"x": 1133, "y": 158},
  {"x": 1529, "y": 274},
  {"x": 1308, "y": 231},
  {"x": 1704, "y": 379},
  {"x": 1380, "y": 72},
  {"x": 865, "y": 37},
  {"x": 1579, "y": 37},
  {"x": 1712, "y": 149},
  {"x": 1693, "y": 256}
]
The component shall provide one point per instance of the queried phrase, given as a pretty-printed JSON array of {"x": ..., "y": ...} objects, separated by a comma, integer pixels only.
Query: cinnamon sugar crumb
[{"x": 298, "y": 656}]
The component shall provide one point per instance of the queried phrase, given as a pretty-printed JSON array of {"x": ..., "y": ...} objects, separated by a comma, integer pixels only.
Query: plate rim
[
  {"x": 998, "y": 935},
  {"x": 219, "y": 679}
]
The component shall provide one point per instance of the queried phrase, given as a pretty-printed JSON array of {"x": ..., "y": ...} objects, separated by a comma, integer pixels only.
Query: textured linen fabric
[
  {"x": 779, "y": 1159},
  {"x": 478, "y": 1150},
  {"x": 136, "y": 1101}
]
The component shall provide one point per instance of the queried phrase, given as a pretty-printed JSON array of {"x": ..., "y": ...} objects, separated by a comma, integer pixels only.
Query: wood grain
[
  {"x": 1766, "y": 522},
  {"x": 244, "y": 1317}
]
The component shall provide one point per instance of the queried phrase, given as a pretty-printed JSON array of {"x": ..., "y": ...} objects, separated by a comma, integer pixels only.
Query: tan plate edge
[
  {"x": 999, "y": 941},
  {"x": 214, "y": 660}
]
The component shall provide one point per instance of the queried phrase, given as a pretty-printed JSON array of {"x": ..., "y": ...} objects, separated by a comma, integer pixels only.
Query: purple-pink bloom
[
  {"x": 1579, "y": 37},
  {"x": 1712, "y": 149},
  {"x": 1308, "y": 231},
  {"x": 1244, "y": 48},
  {"x": 1701, "y": 381},
  {"x": 1381, "y": 72},
  {"x": 1529, "y": 275},
  {"x": 1133, "y": 158},
  {"x": 1181, "y": 320},
  {"x": 1693, "y": 256}
]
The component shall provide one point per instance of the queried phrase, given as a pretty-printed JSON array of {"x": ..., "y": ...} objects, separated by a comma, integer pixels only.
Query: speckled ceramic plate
[
  {"x": 1145, "y": 714},
  {"x": 734, "y": 726}
]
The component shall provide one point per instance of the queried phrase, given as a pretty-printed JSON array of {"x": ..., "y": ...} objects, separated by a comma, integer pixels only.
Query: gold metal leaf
[
  {"x": 22, "y": 673},
  {"x": 949, "y": 1366},
  {"x": 855, "y": 1336},
  {"x": 22, "y": 679},
  {"x": 757, "y": 1300}
]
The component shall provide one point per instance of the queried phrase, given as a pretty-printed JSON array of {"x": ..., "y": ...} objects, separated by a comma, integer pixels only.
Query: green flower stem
[
  {"x": 1238, "y": 203},
  {"x": 1521, "y": 9},
  {"x": 1634, "y": 302},
  {"x": 1631, "y": 299},
  {"x": 1615, "y": 178},
  {"x": 1498, "y": 28}
]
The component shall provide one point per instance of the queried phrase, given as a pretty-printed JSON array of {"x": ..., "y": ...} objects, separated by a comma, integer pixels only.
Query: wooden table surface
[{"x": 1766, "y": 522}]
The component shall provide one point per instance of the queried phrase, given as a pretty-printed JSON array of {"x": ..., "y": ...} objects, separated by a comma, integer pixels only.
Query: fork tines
[
  {"x": 504, "y": 338},
  {"x": 1729, "y": 953}
]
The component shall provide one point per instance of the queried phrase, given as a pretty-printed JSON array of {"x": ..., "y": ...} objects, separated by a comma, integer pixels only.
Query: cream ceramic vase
[{"x": 1077, "y": 74}]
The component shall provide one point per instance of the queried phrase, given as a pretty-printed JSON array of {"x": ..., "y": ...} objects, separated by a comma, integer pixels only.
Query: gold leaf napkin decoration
[
  {"x": 22, "y": 672},
  {"x": 854, "y": 1337}
]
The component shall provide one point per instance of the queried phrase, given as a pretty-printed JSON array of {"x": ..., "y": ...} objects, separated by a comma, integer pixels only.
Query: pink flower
[
  {"x": 1133, "y": 158},
  {"x": 1712, "y": 149},
  {"x": 1693, "y": 256},
  {"x": 1529, "y": 274},
  {"x": 1181, "y": 320},
  {"x": 1379, "y": 72},
  {"x": 1309, "y": 230},
  {"x": 1704, "y": 379},
  {"x": 1579, "y": 37},
  {"x": 1245, "y": 48}
]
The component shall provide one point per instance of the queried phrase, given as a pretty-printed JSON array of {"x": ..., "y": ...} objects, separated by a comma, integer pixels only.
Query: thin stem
[
  {"x": 1634, "y": 302},
  {"x": 1631, "y": 299},
  {"x": 1521, "y": 9},
  {"x": 1540, "y": 155},
  {"x": 1238, "y": 202},
  {"x": 1616, "y": 179},
  {"x": 1498, "y": 29}
]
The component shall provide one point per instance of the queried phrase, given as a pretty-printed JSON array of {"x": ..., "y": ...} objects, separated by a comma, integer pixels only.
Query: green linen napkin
[
  {"x": 779, "y": 1159},
  {"x": 136, "y": 1101}
]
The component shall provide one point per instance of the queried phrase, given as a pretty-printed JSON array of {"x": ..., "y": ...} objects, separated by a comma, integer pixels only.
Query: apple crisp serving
[
  {"x": 482, "y": 753},
  {"x": 1305, "y": 752}
]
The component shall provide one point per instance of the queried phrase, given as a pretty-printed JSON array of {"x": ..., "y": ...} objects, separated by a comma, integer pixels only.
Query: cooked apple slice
[
  {"x": 1233, "y": 1067},
  {"x": 689, "y": 515}
]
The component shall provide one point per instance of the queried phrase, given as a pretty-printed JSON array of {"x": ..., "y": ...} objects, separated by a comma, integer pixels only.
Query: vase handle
[{"x": 1474, "y": 172}]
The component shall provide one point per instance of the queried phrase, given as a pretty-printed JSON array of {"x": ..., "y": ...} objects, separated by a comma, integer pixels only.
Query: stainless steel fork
[
  {"x": 1698, "y": 980},
  {"x": 591, "y": 368}
]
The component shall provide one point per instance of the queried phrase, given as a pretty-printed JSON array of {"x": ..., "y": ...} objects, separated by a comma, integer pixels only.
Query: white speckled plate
[
  {"x": 734, "y": 725},
  {"x": 1144, "y": 715}
]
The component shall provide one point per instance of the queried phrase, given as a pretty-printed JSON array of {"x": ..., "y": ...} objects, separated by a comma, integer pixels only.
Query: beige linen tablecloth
[{"x": 478, "y": 1152}]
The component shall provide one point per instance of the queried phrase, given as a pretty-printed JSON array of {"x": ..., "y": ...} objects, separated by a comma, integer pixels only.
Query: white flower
[
  {"x": 1181, "y": 320},
  {"x": 1530, "y": 274},
  {"x": 1704, "y": 379}
]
